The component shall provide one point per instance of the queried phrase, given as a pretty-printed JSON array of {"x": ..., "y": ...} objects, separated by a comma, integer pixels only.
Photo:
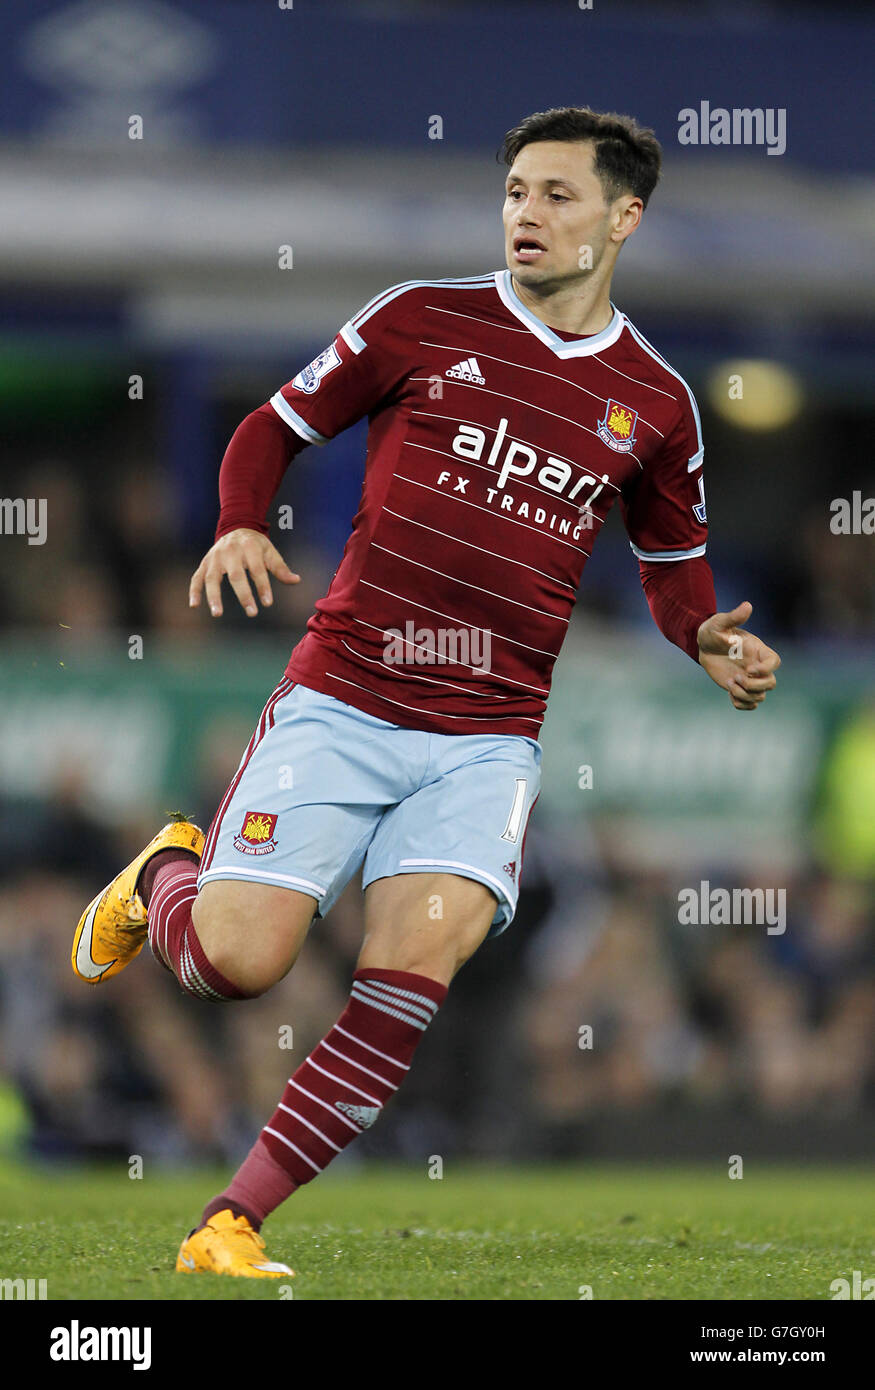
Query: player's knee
[
  {"x": 472, "y": 931},
  {"x": 251, "y": 937},
  {"x": 466, "y": 945},
  {"x": 253, "y": 973},
  {"x": 438, "y": 954},
  {"x": 253, "y": 967}
]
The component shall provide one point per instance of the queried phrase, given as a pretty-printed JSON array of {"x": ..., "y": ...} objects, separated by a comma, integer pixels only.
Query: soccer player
[{"x": 508, "y": 412}]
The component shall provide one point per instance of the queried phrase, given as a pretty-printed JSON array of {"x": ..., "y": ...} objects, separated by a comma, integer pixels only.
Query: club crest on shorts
[
  {"x": 617, "y": 430},
  {"x": 256, "y": 833}
]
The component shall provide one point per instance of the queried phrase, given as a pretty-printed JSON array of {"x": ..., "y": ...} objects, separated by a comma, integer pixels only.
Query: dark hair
[{"x": 628, "y": 157}]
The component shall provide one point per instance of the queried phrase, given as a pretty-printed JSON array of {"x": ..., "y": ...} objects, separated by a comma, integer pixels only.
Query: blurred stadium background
[{"x": 157, "y": 259}]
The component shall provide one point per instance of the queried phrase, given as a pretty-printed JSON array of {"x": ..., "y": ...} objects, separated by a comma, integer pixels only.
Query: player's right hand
[{"x": 232, "y": 556}]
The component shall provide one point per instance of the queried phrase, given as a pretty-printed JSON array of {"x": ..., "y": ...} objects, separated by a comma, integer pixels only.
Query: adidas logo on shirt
[{"x": 469, "y": 370}]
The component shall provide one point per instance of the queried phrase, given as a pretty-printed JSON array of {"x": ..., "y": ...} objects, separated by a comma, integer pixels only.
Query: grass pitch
[{"x": 537, "y": 1232}]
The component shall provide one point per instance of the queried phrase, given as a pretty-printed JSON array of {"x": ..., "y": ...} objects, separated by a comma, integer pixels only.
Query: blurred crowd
[
  {"x": 116, "y": 561},
  {"x": 123, "y": 543},
  {"x": 595, "y": 1003}
]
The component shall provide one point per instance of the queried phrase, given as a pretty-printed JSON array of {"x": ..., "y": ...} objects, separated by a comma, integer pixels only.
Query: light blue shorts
[{"x": 324, "y": 788}]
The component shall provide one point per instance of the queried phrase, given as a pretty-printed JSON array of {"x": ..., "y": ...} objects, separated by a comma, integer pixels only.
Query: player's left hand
[{"x": 738, "y": 661}]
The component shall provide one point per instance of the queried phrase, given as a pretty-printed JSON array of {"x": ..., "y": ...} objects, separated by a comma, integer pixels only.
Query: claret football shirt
[{"x": 495, "y": 450}]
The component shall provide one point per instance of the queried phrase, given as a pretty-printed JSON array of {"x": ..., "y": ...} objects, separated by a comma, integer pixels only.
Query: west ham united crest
[
  {"x": 256, "y": 833},
  {"x": 617, "y": 430}
]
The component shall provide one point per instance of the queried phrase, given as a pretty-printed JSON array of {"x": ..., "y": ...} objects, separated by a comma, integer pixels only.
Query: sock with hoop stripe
[
  {"x": 339, "y": 1090},
  {"x": 172, "y": 936}
]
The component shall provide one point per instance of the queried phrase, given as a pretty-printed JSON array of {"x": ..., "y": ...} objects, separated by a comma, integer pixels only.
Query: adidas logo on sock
[
  {"x": 469, "y": 370},
  {"x": 362, "y": 1115}
]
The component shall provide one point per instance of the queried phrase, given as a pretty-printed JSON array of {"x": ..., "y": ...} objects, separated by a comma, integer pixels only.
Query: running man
[{"x": 508, "y": 413}]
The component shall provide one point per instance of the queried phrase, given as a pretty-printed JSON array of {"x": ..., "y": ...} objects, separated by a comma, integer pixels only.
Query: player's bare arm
[
  {"x": 738, "y": 661},
  {"x": 234, "y": 556}
]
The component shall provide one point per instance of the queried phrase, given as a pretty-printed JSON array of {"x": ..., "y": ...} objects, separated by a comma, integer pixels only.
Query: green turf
[{"x": 477, "y": 1233}]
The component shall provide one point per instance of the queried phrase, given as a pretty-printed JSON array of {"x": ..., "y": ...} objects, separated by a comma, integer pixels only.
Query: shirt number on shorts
[{"x": 515, "y": 819}]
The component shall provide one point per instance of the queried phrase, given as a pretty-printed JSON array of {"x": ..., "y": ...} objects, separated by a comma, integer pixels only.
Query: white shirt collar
[{"x": 580, "y": 347}]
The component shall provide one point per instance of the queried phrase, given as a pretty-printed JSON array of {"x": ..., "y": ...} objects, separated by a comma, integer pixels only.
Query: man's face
[{"x": 554, "y": 208}]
